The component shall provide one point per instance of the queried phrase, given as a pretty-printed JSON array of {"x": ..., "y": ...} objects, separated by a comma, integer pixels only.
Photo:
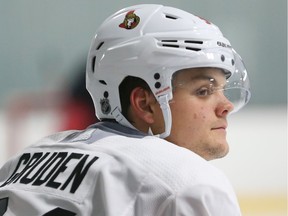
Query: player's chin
[
  {"x": 218, "y": 150},
  {"x": 224, "y": 151}
]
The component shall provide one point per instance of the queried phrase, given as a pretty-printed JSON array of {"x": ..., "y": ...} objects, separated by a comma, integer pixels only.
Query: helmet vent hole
[
  {"x": 156, "y": 76},
  {"x": 186, "y": 44},
  {"x": 103, "y": 82},
  {"x": 171, "y": 41},
  {"x": 171, "y": 17},
  {"x": 157, "y": 85},
  {"x": 100, "y": 45},
  {"x": 222, "y": 58},
  {"x": 93, "y": 64},
  {"x": 106, "y": 94},
  {"x": 170, "y": 45},
  {"x": 193, "y": 42},
  {"x": 193, "y": 49}
]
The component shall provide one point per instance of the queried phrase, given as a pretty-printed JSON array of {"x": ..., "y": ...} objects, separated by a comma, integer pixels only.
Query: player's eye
[
  {"x": 204, "y": 91},
  {"x": 208, "y": 90}
]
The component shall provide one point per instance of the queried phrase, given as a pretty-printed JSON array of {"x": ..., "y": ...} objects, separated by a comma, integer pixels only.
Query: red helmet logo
[{"x": 131, "y": 20}]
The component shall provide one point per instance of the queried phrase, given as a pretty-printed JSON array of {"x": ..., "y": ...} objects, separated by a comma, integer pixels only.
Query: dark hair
[{"x": 125, "y": 89}]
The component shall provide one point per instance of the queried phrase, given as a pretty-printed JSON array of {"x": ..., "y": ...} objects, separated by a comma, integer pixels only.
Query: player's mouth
[{"x": 220, "y": 127}]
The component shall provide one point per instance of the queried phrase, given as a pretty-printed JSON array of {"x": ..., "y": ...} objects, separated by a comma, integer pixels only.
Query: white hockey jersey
[{"x": 111, "y": 170}]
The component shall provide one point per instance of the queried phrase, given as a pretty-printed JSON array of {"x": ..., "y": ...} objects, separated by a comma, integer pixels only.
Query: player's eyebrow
[
  {"x": 198, "y": 77},
  {"x": 204, "y": 77}
]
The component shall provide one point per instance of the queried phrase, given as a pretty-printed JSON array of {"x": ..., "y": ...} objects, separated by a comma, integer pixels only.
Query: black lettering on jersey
[
  {"x": 53, "y": 165},
  {"x": 22, "y": 160},
  {"x": 44, "y": 168},
  {"x": 78, "y": 174},
  {"x": 33, "y": 160},
  {"x": 25, "y": 179},
  {"x": 62, "y": 168}
]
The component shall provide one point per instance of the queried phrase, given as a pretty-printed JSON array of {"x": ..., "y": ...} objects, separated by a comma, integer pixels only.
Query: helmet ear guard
[{"x": 161, "y": 41}]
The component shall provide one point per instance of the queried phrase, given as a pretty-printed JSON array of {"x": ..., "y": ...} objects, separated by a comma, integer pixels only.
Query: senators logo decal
[{"x": 131, "y": 21}]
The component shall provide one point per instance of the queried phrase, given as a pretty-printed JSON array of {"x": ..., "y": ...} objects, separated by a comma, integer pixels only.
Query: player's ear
[{"x": 142, "y": 102}]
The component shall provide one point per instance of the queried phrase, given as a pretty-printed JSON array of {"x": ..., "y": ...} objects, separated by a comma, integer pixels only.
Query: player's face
[{"x": 199, "y": 111}]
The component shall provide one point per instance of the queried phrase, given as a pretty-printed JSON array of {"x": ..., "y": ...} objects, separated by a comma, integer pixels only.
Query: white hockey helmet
[{"x": 152, "y": 42}]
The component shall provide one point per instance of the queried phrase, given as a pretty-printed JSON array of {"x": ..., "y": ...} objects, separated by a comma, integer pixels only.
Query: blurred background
[{"x": 43, "y": 49}]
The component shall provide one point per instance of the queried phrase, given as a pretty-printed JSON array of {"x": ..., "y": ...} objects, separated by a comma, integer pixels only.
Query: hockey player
[{"x": 163, "y": 82}]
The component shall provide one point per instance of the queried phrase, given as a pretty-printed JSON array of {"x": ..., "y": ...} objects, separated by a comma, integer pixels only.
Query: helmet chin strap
[
  {"x": 164, "y": 105},
  {"x": 118, "y": 116}
]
